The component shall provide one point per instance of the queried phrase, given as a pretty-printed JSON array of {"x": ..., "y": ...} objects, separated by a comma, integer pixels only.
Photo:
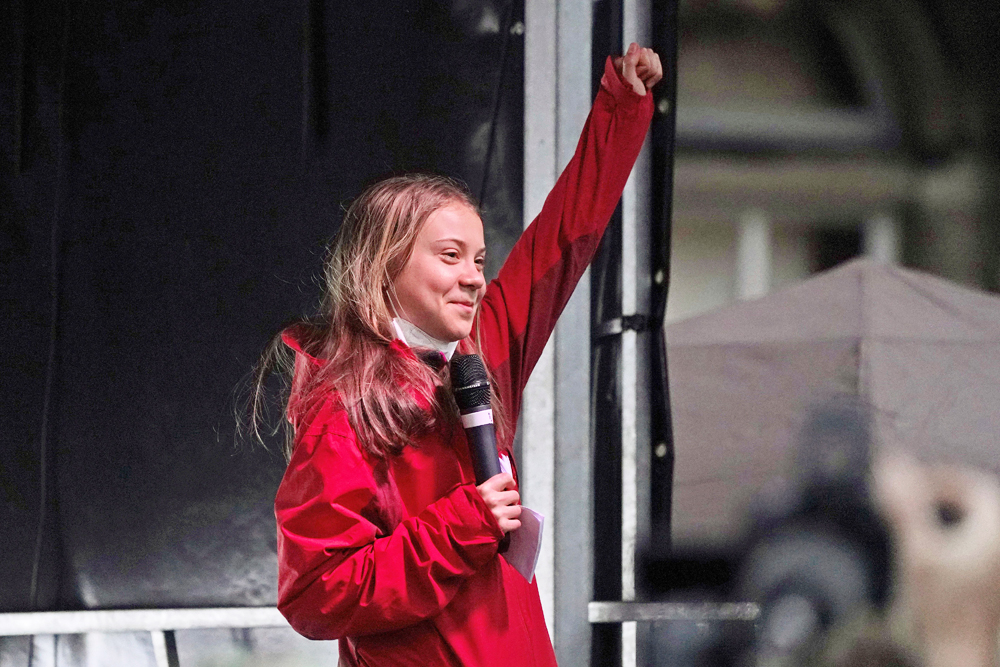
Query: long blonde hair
[{"x": 389, "y": 398}]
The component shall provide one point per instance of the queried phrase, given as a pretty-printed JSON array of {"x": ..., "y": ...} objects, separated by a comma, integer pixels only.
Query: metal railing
[
  {"x": 624, "y": 612},
  {"x": 159, "y": 623}
]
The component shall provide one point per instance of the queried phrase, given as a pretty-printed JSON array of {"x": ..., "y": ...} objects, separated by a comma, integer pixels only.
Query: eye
[
  {"x": 481, "y": 262},
  {"x": 450, "y": 254}
]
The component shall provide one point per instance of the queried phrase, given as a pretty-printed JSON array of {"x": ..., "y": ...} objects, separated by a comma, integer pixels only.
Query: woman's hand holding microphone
[{"x": 500, "y": 495}]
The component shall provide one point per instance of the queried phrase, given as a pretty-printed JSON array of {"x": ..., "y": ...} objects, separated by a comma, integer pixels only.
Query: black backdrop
[{"x": 170, "y": 175}]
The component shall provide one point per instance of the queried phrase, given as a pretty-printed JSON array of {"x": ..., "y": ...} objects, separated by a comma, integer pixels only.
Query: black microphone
[{"x": 471, "y": 387}]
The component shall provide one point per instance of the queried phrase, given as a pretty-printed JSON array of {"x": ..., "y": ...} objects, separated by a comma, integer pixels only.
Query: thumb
[{"x": 630, "y": 60}]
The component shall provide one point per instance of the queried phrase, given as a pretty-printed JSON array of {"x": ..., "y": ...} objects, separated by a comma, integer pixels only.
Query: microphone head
[{"x": 469, "y": 381}]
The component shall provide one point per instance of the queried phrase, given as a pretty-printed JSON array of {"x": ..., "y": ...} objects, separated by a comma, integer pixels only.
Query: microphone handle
[
  {"x": 485, "y": 460},
  {"x": 483, "y": 450}
]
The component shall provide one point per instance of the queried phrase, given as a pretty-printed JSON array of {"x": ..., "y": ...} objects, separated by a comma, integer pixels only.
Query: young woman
[{"x": 384, "y": 541}]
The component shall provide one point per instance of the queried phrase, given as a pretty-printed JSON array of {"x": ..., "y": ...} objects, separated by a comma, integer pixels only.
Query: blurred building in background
[
  {"x": 812, "y": 132},
  {"x": 809, "y": 133}
]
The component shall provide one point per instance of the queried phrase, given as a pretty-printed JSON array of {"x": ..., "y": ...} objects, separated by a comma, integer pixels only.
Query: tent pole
[{"x": 665, "y": 36}]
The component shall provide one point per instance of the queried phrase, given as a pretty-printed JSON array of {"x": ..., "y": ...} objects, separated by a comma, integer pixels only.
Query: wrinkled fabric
[{"x": 398, "y": 558}]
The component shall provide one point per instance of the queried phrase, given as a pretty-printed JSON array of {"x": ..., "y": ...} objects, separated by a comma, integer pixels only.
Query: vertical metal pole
[
  {"x": 165, "y": 648},
  {"x": 540, "y": 171},
  {"x": 573, "y": 528},
  {"x": 635, "y": 360},
  {"x": 606, "y": 384},
  {"x": 665, "y": 43},
  {"x": 629, "y": 390}
]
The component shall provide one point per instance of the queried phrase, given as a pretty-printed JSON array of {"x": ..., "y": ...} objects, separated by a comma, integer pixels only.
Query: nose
[{"x": 473, "y": 277}]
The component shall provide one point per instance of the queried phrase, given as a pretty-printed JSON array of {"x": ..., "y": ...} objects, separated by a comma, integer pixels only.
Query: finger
[
  {"x": 649, "y": 70},
  {"x": 644, "y": 58},
  {"x": 507, "y": 512},
  {"x": 631, "y": 59},
  {"x": 513, "y": 511},
  {"x": 497, "y": 500},
  {"x": 494, "y": 486},
  {"x": 508, "y": 498},
  {"x": 659, "y": 71},
  {"x": 656, "y": 72},
  {"x": 499, "y": 482},
  {"x": 628, "y": 65},
  {"x": 507, "y": 525},
  {"x": 508, "y": 518}
]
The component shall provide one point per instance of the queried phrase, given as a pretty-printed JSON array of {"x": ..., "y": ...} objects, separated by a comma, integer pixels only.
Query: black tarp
[{"x": 170, "y": 174}]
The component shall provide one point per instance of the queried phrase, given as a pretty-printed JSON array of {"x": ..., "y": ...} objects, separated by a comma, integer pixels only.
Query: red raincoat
[{"x": 398, "y": 559}]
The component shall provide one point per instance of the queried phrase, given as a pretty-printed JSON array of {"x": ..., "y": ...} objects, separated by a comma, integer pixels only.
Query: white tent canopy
[{"x": 923, "y": 353}]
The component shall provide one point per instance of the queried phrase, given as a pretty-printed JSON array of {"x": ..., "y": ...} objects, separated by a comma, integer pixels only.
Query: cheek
[
  {"x": 441, "y": 280},
  {"x": 429, "y": 286},
  {"x": 408, "y": 289}
]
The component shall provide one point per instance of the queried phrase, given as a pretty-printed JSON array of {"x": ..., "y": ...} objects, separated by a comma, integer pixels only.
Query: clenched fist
[{"x": 640, "y": 68}]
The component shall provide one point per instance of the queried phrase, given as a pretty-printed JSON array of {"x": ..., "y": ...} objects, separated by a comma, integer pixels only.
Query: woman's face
[{"x": 442, "y": 282}]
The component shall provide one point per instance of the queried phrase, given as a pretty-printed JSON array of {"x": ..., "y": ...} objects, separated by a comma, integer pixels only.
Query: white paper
[
  {"x": 505, "y": 464},
  {"x": 526, "y": 543}
]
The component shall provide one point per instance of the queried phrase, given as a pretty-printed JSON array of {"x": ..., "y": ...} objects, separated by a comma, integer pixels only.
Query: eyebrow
[{"x": 456, "y": 241}]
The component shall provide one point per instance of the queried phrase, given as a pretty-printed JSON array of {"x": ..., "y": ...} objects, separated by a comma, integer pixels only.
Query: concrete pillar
[
  {"x": 540, "y": 172},
  {"x": 881, "y": 238},
  {"x": 555, "y": 428},
  {"x": 753, "y": 255}
]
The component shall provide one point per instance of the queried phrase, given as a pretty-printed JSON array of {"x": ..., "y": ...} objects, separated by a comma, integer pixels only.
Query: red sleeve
[
  {"x": 339, "y": 573},
  {"x": 522, "y": 305}
]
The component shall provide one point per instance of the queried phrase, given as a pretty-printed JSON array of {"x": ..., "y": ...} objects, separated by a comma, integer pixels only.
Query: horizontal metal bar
[
  {"x": 130, "y": 620},
  {"x": 620, "y": 612},
  {"x": 125, "y": 620}
]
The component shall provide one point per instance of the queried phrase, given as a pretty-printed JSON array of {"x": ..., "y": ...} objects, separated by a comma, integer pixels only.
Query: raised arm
[{"x": 522, "y": 305}]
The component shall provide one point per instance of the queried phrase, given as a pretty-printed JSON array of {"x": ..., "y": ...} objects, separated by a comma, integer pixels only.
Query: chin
[{"x": 459, "y": 333}]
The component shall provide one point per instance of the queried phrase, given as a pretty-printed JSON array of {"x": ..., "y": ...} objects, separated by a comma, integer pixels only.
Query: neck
[{"x": 414, "y": 336}]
